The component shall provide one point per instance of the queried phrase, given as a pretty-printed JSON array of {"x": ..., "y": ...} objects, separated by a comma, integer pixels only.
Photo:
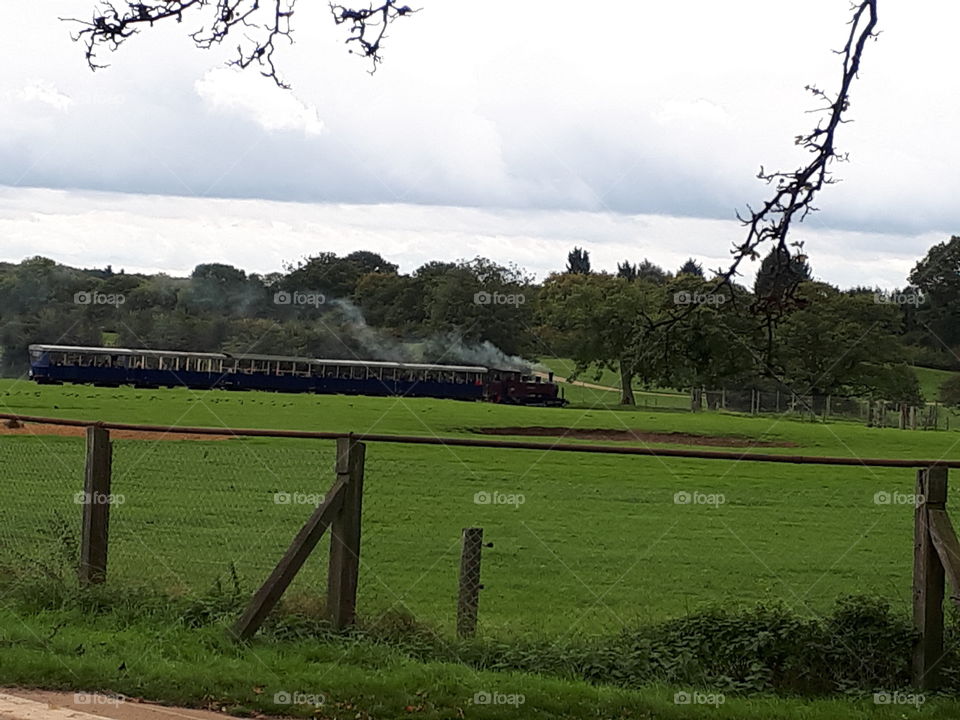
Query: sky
[{"x": 514, "y": 133}]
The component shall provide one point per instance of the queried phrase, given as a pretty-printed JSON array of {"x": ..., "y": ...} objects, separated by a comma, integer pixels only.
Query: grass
[
  {"x": 598, "y": 542},
  {"x": 930, "y": 381},
  {"x": 594, "y": 397},
  {"x": 180, "y": 665}
]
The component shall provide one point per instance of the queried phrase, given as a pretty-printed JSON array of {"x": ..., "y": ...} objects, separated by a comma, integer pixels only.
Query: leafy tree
[
  {"x": 938, "y": 277},
  {"x": 392, "y": 301},
  {"x": 627, "y": 271},
  {"x": 333, "y": 276},
  {"x": 479, "y": 301},
  {"x": 949, "y": 393},
  {"x": 691, "y": 267},
  {"x": 578, "y": 262},
  {"x": 652, "y": 272},
  {"x": 223, "y": 289},
  {"x": 893, "y": 382},
  {"x": 711, "y": 346},
  {"x": 603, "y": 317},
  {"x": 370, "y": 262},
  {"x": 822, "y": 347},
  {"x": 779, "y": 275}
]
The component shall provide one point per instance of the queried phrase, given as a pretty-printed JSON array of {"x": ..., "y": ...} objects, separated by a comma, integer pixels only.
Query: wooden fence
[{"x": 936, "y": 547}]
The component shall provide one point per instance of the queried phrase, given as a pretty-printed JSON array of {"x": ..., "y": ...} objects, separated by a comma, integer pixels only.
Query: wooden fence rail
[{"x": 744, "y": 456}]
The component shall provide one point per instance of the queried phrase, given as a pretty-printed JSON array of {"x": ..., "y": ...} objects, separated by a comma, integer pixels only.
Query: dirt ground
[
  {"x": 71, "y": 431},
  {"x": 677, "y": 438},
  {"x": 16, "y": 704}
]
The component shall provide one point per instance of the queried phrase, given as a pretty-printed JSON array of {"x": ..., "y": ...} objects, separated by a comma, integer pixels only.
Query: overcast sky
[{"x": 516, "y": 133}]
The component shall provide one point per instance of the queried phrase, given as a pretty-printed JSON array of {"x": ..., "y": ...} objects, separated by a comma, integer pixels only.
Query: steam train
[{"x": 113, "y": 367}]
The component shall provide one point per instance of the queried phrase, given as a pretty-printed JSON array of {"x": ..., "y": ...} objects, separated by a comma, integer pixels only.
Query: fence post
[
  {"x": 344, "y": 571},
  {"x": 469, "y": 598},
  {"x": 928, "y": 580},
  {"x": 96, "y": 506}
]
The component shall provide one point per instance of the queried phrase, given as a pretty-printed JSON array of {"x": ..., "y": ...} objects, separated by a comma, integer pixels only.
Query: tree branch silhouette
[
  {"x": 795, "y": 192},
  {"x": 260, "y": 24}
]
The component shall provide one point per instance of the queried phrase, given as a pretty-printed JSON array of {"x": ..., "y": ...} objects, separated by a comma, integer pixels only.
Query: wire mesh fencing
[
  {"x": 40, "y": 511},
  {"x": 875, "y": 413},
  {"x": 580, "y": 543}
]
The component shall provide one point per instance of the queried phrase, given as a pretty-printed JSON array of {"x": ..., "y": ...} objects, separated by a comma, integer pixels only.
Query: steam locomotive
[{"x": 113, "y": 367}]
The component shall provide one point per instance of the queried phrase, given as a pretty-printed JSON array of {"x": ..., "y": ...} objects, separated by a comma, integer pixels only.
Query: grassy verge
[{"x": 726, "y": 665}]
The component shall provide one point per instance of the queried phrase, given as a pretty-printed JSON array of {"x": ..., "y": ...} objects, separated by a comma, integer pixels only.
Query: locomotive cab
[{"x": 522, "y": 387}]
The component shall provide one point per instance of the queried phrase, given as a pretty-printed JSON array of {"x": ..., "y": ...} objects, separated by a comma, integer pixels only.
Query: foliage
[
  {"x": 950, "y": 391},
  {"x": 578, "y": 262},
  {"x": 601, "y": 317}
]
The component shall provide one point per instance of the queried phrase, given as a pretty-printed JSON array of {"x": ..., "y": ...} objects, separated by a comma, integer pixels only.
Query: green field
[
  {"x": 931, "y": 380},
  {"x": 598, "y": 543}
]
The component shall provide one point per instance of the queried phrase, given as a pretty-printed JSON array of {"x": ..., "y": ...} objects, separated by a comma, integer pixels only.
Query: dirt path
[
  {"x": 594, "y": 386},
  {"x": 25, "y": 429},
  {"x": 643, "y": 436},
  {"x": 16, "y": 704}
]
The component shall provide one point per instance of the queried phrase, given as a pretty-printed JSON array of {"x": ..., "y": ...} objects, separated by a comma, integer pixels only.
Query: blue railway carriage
[{"x": 113, "y": 367}]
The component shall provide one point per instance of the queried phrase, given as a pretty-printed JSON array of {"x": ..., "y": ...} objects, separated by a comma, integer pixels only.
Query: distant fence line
[
  {"x": 745, "y": 456},
  {"x": 875, "y": 413}
]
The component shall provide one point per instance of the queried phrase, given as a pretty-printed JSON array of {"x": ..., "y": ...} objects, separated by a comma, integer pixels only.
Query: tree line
[{"x": 675, "y": 329}]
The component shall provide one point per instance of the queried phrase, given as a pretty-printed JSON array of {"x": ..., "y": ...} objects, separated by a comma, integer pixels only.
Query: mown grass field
[
  {"x": 601, "y": 536},
  {"x": 599, "y": 542}
]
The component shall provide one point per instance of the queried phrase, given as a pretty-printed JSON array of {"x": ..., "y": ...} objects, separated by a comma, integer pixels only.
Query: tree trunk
[{"x": 626, "y": 385}]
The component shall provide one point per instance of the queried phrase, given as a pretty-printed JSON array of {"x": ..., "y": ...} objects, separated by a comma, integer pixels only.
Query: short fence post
[
  {"x": 343, "y": 573},
  {"x": 96, "y": 506},
  {"x": 469, "y": 598},
  {"x": 928, "y": 580}
]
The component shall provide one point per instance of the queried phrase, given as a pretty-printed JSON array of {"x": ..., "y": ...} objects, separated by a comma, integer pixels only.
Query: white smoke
[{"x": 447, "y": 349}]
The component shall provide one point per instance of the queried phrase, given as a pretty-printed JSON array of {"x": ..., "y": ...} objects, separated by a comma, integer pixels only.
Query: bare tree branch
[
  {"x": 258, "y": 23},
  {"x": 795, "y": 192},
  {"x": 368, "y": 27}
]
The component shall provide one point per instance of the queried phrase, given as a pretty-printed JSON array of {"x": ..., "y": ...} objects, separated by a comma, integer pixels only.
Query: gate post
[
  {"x": 344, "y": 570},
  {"x": 96, "y": 506},
  {"x": 928, "y": 580},
  {"x": 468, "y": 600}
]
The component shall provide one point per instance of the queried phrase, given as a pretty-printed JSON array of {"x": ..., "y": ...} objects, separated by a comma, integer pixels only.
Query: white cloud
[
  {"x": 249, "y": 96},
  {"x": 173, "y": 235},
  {"x": 43, "y": 91},
  {"x": 642, "y": 108}
]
